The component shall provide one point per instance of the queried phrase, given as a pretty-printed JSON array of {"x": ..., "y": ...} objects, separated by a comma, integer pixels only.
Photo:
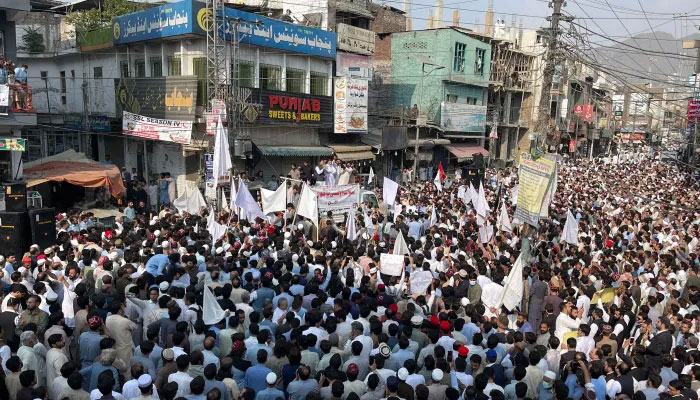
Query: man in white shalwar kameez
[
  {"x": 121, "y": 330},
  {"x": 55, "y": 358},
  {"x": 491, "y": 295},
  {"x": 31, "y": 359}
]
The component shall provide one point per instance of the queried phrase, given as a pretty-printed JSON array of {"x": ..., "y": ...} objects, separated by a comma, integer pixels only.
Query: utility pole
[{"x": 543, "y": 116}]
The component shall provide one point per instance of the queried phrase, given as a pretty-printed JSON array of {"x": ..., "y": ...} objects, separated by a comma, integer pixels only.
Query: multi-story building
[
  {"x": 16, "y": 98},
  {"x": 141, "y": 83},
  {"x": 442, "y": 75}
]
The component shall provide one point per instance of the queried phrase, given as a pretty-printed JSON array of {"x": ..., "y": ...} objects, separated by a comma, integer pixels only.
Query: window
[
  {"x": 479, "y": 62},
  {"x": 97, "y": 72},
  {"x": 471, "y": 100},
  {"x": 245, "y": 74},
  {"x": 270, "y": 77},
  {"x": 72, "y": 74},
  {"x": 140, "y": 66},
  {"x": 296, "y": 78},
  {"x": 156, "y": 67},
  {"x": 124, "y": 69},
  {"x": 63, "y": 81},
  {"x": 199, "y": 66},
  {"x": 319, "y": 84},
  {"x": 451, "y": 98},
  {"x": 174, "y": 66},
  {"x": 44, "y": 76},
  {"x": 460, "y": 53}
]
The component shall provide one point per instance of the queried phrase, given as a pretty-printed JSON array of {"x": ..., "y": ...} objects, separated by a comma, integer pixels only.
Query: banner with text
[
  {"x": 350, "y": 97},
  {"x": 338, "y": 199},
  {"x": 534, "y": 178},
  {"x": 158, "y": 129}
]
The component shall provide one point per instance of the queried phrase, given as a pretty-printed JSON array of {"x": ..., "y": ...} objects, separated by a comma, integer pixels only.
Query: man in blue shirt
[
  {"x": 252, "y": 353},
  {"x": 255, "y": 376},
  {"x": 90, "y": 342},
  {"x": 21, "y": 74},
  {"x": 300, "y": 388},
  {"x": 155, "y": 264},
  {"x": 415, "y": 228},
  {"x": 270, "y": 393}
]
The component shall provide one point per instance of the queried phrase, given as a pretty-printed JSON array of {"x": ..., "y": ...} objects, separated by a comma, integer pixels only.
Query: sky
[{"x": 593, "y": 14}]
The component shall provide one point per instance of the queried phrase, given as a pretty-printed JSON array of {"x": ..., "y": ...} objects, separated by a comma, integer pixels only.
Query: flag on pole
[
  {"x": 389, "y": 191},
  {"x": 274, "y": 201},
  {"x": 247, "y": 203},
  {"x": 224, "y": 200},
  {"x": 441, "y": 172},
  {"x": 222, "y": 156},
  {"x": 437, "y": 183},
  {"x": 308, "y": 206},
  {"x": 570, "y": 234},
  {"x": 473, "y": 194},
  {"x": 513, "y": 289},
  {"x": 233, "y": 207},
  {"x": 371, "y": 176},
  {"x": 400, "y": 246},
  {"x": 482, "y": 197},
  {"x": 433, "y": 217},
  {"x": 351, "y": 230},
  {"x": 216, "y": 229},
  {"x": 212, "y": 313},
  {"x": 503, "y": 222}
]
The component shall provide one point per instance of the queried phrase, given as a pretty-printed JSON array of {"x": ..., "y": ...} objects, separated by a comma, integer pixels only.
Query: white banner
[
  {"x": 4, "y": 99},
  {"x": 338, "y": 199},
  {"x": 350, "y": 105},
  {"x": 392, "y": 264},
  {"x": 420, "y": 281},
  {"x": 155, "y": 128},
  {"x": 274, "y": 201},
  {"x": 389, "y": 190}
]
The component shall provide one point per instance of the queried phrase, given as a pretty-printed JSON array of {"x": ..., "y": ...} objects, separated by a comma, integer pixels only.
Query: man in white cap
[
  {"x": 436, "y": 389},
  {"x": 270, "y": 392},
  {"x": 141, "y": 386}
]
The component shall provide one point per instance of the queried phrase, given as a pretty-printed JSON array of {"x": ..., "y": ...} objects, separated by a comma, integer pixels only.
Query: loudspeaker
[
  {"x": 43, "y": 226},
  {"x": 473, "y": 175},
  {"x": 478, "y": 160},
  {"x": 15, "y": 196},
  {"x": 14, "y": 232}
]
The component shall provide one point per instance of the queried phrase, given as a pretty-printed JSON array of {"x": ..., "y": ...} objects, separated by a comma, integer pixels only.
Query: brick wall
[{"x": 387, "y": 20}]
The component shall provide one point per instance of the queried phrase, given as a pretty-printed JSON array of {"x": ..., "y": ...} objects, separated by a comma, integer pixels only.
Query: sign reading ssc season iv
[{"x": 157, "y": 129}]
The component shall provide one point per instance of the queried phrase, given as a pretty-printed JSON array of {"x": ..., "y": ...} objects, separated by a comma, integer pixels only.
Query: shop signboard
[
  {"x": 172, "y": 97},
  {"x": 13, "y": 144},
  {"x": 458, "y": 117},
  {"x": 97, "y": 123},
  {"x": 350, "y": 105},
  {"x": 355, "y": 40},
  {"x": 353, "y": 66},
  {"x": 159, "y": 22},
  {"x": 271, "y": 107},
  {"x": 157, "y": 129}
]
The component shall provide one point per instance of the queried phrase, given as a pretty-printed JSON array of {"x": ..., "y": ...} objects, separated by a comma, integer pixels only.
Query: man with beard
[
  {"x": 569, "y": 319},
  {"x": 544, "y": 335},
  {"x": 659, "y": 344}
]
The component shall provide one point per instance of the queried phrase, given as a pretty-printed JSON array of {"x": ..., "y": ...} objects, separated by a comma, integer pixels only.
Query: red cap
[
  {"x": 445, "y": 326},
  {"x": 434, "y": 320},
  {"x": 237, "y": 346},
  {"x": 41, "y": 257},
  {"x": 375, "y": 237},
  {"x": 609, "y": 243},
  {"x": 353, "y": 369},
  {"x": 26, "y": 260},
  {"x": 463, "y": 351},
  {"x": 394, "y": 308},
  {"x": 381, "y": 286}
]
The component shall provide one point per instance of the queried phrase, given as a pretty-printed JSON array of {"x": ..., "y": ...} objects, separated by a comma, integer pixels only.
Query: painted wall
[{"x": 439, "y": 46}]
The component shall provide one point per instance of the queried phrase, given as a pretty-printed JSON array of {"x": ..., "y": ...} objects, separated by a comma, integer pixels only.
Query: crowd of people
[
  {"x": 154, "y": 309},
  {"x": 15, "y": 77}
]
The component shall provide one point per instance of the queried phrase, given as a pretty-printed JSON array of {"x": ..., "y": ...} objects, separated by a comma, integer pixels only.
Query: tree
[
  {"x": 93, "y": 19},
  {"x": 33, "y": 40}
]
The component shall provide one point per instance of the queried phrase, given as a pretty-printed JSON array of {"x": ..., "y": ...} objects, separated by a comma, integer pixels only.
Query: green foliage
[
  {"x": 33, "y": 40},
  {"x": 90, "y": 20}
]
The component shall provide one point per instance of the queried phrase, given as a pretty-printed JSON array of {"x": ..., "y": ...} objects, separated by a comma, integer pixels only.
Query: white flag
[
  {"x": 503, "y": 222},
  {"x": 190, "y": 200},
  {"x": 233, "y": 207},
  {"x": 224, "y": 200},
  {"x": 473, "y": 194},
  {"x": 308, "y": 206},
  {"x": 216, "y": 229},
  {"x": 570, "y": 234},
  {"x": 371, "y": 176},
  {"x": 212, "y": 312},
  {"x": 513, "y": 289},
  {"x": 274, "y": 201},
  {"x": 437, "y": 182},
  {"x": 389, "y": 191},
  {"x": 482, "y": 198},
  {"x": 245, "y": 201},
  {"x": 433, "y": 217},
  {"x": 514, "y": 195},
  {"x": 400, "y": 246},
  {"x": 222, "y": 156},
  {"x": 351, "y": 230}
]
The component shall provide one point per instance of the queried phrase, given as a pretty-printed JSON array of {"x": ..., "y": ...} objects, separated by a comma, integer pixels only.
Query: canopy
[
  {"x": 466, "y": 150},
  {"x": 353, "y": 152},
  {"x": 76, "y": 169},
  {"x": 295, "y": 151}
]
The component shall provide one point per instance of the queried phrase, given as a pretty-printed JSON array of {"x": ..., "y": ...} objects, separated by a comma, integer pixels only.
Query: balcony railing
[{"x": 21, "y": 98}]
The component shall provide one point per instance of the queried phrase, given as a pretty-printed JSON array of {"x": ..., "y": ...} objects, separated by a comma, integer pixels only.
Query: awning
[
  {"x": 76, "y": 169},
  {"x": 466, "y": 150},
  {"x": 429, "y": 142},
  {"x": 295, "y": 151},
  {"x": 353, "y": 152}
]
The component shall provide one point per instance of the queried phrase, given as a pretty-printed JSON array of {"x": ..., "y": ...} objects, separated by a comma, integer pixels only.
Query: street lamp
[{"x": 424, "y": 61}]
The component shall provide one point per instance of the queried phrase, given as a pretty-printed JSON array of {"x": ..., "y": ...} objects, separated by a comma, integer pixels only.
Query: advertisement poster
[
  {"x": 350, "y": 100},
  {"x": 210, "y": 188},
  {"x": 694, "y": 110},
  {"x": 171, "y": 97},
  {"x": 458, "y": 117},
  {"x": 338, "y": 199},
  {"x": 158, "y": 129},
  {"x": 4, "y": 99},
  {"x": 218, "y": 108},
  {"x": 269, "y": 107},
  {"x": 534, "y": 178}
]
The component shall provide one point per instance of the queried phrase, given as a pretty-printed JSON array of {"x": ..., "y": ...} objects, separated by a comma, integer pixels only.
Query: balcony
[
  {"x": 356, "y": 7},
  {"x": 21, "y": 99},
  {"x": 506, "y": 117}
]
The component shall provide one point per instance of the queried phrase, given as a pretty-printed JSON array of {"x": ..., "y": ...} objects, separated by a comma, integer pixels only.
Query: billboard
[
  {"x": 171, "y": 97},
  {"x": 270, "y": 107},
  {"x": 156, "y": 129},
  {"x": 350, "y": 100},
  {"x": 355, "y": 40},
  {"x": 694, "y": 110},
  {"x": 159, "y": 22},
  {"x": 97, "y": 123},
  {"x": 457, "y": 117},
  {"x": 353, "y": 66}
]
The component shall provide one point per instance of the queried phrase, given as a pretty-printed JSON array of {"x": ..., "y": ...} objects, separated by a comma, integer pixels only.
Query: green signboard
[{"x": 12, "y": 144}]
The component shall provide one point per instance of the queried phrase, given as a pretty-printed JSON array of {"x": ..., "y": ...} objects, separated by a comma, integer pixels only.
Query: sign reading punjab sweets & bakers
[{"x": 284, "y": 108}]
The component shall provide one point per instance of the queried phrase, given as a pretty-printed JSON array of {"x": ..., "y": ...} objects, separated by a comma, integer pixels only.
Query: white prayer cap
[
  {"x": 300, "y": 226},
  {"x": 51, "y": 296},
  {"x": 41, "y": 262},
  {"x": 310, "y": 243},
  {"x": 295, "y": 257},
  {"x": 271, "y": 378},
  {"x": 285, "y": 243},
  {"x": 54, "y": 259},
  {"x": 227, "y": 246},
  {"x": 2, "y": 259},
  {"x": 113, "y": 256},
  {"x": 365, "y": 235},
  {"x": 287, "y": 235},
  {"x": 144, "y": 243},
  {"x": 165, "y": 244},
  {"x": 372, "y": 270},
  {"x": 152, "y": 223},
  {"x": 145, "y": 381},
  {"x": 164, "y": 286},
  {"x": 206, "y": 246},
  {"x": 334, "y": 244},
  {"x": 246, "y": 253},
  {"x": 157, "y": 233},
  {"x": 34, "y": 246},
  {"x": 465, "y": 301},
  {"x": 436, "y": 236},
  {"x": 219, "y": 250}
]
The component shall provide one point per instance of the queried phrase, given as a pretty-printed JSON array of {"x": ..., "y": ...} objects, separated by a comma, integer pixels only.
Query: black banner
[
  {"x": 269, "y": 107},
  {"x": 172, "y": 97}
]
